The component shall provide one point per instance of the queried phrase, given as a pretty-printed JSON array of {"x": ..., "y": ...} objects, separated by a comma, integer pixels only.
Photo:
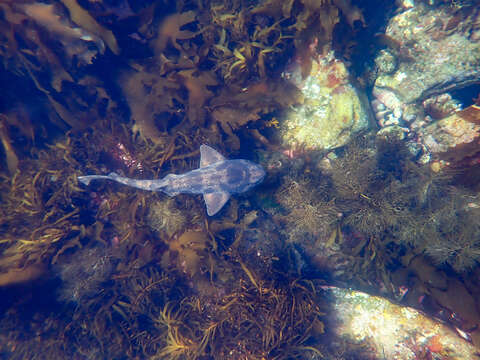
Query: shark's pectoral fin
[
  {"x": 209, "y": 156},
  {"x": 215, "y": 201}
]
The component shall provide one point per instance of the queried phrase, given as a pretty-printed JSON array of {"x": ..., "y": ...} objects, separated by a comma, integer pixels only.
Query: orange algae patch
[
  {"x": 434, "y": 344},
  {"x": 332, "y": 80}
]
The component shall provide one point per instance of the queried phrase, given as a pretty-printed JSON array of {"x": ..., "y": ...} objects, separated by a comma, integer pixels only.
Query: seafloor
[{"x": 361, "y": 242}]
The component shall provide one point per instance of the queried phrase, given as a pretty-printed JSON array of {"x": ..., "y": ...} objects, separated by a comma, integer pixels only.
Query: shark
[{"x": 216, "y": 179}]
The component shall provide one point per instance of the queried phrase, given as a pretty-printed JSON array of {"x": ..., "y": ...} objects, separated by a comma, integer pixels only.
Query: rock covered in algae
[
  {"x": 394, "y": 332},
  {"x": 455, "y": 137},
  {"x": 332, "y": 110},
  {"x": 390, "y": 135},
  {"x": 438, "y": 49}
]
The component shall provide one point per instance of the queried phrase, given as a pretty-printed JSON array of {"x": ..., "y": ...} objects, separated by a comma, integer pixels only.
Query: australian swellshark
[{"x": 216, "y": 178}]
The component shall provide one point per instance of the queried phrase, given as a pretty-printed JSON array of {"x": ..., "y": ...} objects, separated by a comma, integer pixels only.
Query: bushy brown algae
[
  {"x": 411, "y": 205},
  {"x": 165, "y": 217},
  {"x": 114, "y": 300},
  {"x": 450, "y": 231},
  {"x": 254, "y": 321},
  {"x": 38, "y": 214},
  {"x": 310, "y": 213},
  {"x": 373, "y": 204},
  {"x": 149, "y": 313}
]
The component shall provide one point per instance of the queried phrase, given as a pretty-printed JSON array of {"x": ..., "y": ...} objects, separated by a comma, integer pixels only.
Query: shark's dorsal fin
[
  {"x": 209, "y": 156},
  {"x": 215, "y": 201}
]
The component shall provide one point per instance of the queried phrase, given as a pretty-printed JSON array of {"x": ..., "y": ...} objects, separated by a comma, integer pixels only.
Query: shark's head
[{"x": 256, "y": 174}]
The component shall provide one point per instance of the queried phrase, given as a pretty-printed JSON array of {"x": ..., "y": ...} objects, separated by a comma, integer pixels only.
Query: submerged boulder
[
  {"x": 332, "y": 110},
  {"x": 437, "y": 50}
]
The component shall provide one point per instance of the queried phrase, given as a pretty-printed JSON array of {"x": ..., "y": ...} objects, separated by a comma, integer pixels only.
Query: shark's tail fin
[
  {"x": 86, "y": 179},
  {"x": 152, "y": 185},
  {"x": 114, "y": 176}
]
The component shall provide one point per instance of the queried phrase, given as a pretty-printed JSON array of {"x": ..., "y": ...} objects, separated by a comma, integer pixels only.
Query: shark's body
[{"x": 216, "y": 178}]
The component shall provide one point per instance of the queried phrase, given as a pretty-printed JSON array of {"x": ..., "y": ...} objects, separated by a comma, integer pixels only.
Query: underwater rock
[
  {"x": 385, "y": 62},
  {"x": 440, "y": 106},
  {"x": 332, "y": 110},
  {"x": 391, "y": 331},
  {"x": 390, "y": 135},
  {"x": 455, "y": 137},
  {"x": 435, "y": 51}
]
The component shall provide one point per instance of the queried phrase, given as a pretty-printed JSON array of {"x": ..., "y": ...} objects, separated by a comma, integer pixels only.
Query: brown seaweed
[{"x": 143, "y": 276}]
